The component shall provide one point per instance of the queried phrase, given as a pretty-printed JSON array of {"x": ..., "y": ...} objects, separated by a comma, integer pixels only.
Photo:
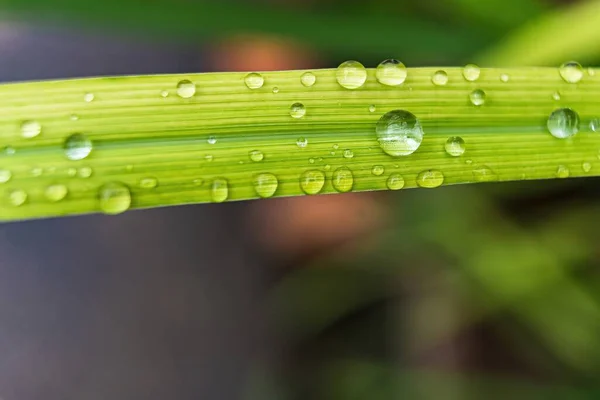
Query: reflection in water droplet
[
  {"x": 302, "y": 142},
  {"x": 562, "y": 172},
  {"x": 254, "y": 80},
  {"x": 343, "y": 180},
  {"x": 17, "y": 197},
  {"x": 455, "y": 146},
  {"x": 85, "y": 172},
  {"x": 265, "y": 185},
  {"x": 477, "y": 97},
  {"x": 77, "y": 147},
  {"x": 115, "y": 198},
  {"x": 440, "y": 78},
  {"x": 219, "y": 190},
  {"x": 88, "y": 97},
  {"x": 56, "y": 192},
  {"x": 391, "y": 73},
  {"x": 482, "y": 173},
  {"x": 471, "y": 72},
  {"x": 312, "y": 181},
  {"x": 256, "y": 155},
  {"x": 571, "y": 72},
  {"x": 586, "y": 166},
  {"x": 504, "y": 78},
  {"x": 308, "y": 79},
  {"x": 297, "y": 110},
  {"x": 430, "y": 179},
  {"x": 348, "y": 153},
  {"x": 148, "y": 183},
  {"x": 186, "y": 89},
  {"x": 5, "y": 175},
  {"x": 399, "y": 133},
  {"x": 30, "y": 129},
  {"x": 372, "y": 108},
  {"x": 351, "y": 75},
  {"x": 395, "y": 182},
  {"x": 378, "y": 170},
  {"x": 563, "y": 123}
]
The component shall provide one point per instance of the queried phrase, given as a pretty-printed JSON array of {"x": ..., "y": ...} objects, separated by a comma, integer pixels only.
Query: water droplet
[
  {"x": 395, "y": 182},
  {"x": 372, "y": 108},
  {"x": 343, "y": 180},
  {"x": 311, "y": 160},
  {"x": 482, "y": 173},
  {"x": 71, "y": 172},
  {"x": 5, "y": 175},
  {"x": 30, "y": 129},
  {"x": 297, "y": 110},
  {"x": 595, "y": 125},
  {"x": 308, "y": 79},
  {"x": 198, "y": 181},
  {"x": 348, "y": 153},
  {"x": 469, "y": 162},
  {"x": 430, "y": 179},
  {"x": 440, "y": 78},
  {"x": 37, "y": 171},
  {"x": 504, "y": 78},
  {"x": 265, "y": 185},
  {"x": 148, "y": 183},
  {"x": 556, "y": 96},
  {"x": 74, "y": 117},
  {"x": 312, "y": 182},
  {"x": 9, "y": 151},
  {"x": 17, "y": 197},
  {"x": 477, "y": 97},
  {"x": 256, "y": 155},
  {"x": 455, "y": 146},
  {"x": 351, "y": 75},
  {"x": 586, "y": 166},
  {"x": 77, "y": 147},
  {"x": 399, "y": 133},
  {"x": 164, "y": 93},
  {"x": 562, "y": 172},
  {"x": 336, "y": 146},
  {"x": 571, "y": 72},
  {"x": 212, "y": 140},
  {"x": 115, "y": 198},
  {"x": 89, "y": 97},
  {"x": 302, "y": 142},
  {"x": 186, "y": 89},
  {"x": 56, "y": 192},
  {"x": 254, "y": 80},
  {"x": 209, "y": 158},
  {"x": 275, "y": 90},
  {"x": 219, "y": 190},
  {"x": 471, "y": 72},
  {"x": 85, "y": 172},
  {"x": 591, "y": 71},
  {"x": 391, "y": 73},
  {"x": 563, "y": 123},
  {"x": 378, "y": 170}
]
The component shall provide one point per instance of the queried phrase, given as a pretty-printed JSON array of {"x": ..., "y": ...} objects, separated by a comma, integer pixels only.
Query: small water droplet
[
  {"x": 469, "y": 162},
  {"x": 482, "y": 173},
  {"x": 256, "y": 155},
  {"x": 348, "y": 153},
  {"x": 148, "y": 183},
  {"x": 395, "y": 182},
  {"x": 312, "y": 182},
  {"x": 265, "y": 185},
  {"x": 37, "y": 171},
  {"x": 297, "y": 110},
  {"x": 430, "y": 179},
  {"x": 586, "y": 166},
  {"x": 440, "y": 78},
  {"x": 471, "y": 72},
  {"x": 219, "y": 190},
  {"x": 212, "y": 140},
  {"x": 378, "y": 170},
  {"x": 562, "y": 172},
  {"x": 455, "y": 146},
  {"x": 114, "y": 198},
  {"x": 477, "y": 97},
  {"x": 595, "y": 125},
  {"x": 56, "y": 192},
  {"x": 563, "y": 123},
  {"x": 275, "y": 90},
  {"x": 30, "y": 129},
  {"x": 164, "y": 93},
  {"x": 9, "y": 151},
  {"x": 343, "y": 180},
  {"x": 5, "y": 175},
  {"x": 186, "y": 89},
  {"x": 17, "y": 197},
  {"x": 391, "y": 73},
  {"x": 85, "y": 172},
  {"x": 351, "y": 75},
  {"x": 71, "y": 172},
  {"x": 556, "y": 96},
  {"x": 311, "y": 160},
  {"x": 209, "y": 158},
  {"x": 571, "y": 72},
  {"x": 77, "y": 147},
  {"x": 591, "y": 71},
  {"x": 308, "y": 79},
  {"x": 302, "y": 142},
  {"x": 372, "y": 108},
  {"x": 399, "y": 133},
  {"x": 74, "y": 117},
  {"x": 336, "y": 146},
  {"x": 89, "y": 97},
  {"x": 254, "y": 80},
  {"x": 504, "y": 78}
]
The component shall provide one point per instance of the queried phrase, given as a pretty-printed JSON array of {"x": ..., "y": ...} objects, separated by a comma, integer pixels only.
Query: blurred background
[{"x": 487, "y": 291}]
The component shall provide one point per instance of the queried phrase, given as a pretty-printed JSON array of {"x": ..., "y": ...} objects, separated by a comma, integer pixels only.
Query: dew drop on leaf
[
  {"x": 562, "y": 172},
  {"x": 343, "y": 180},
  {"x": 348, "y": 153},
  {"x": 563, "y": 123},
  {"x": 595, "y": 125},
  {"x": 455, "y": 146},
  {"x": 115, "y": 198},
  {"x": 9, "y": 151},
  {"x": 471, "y": 72},
  {"x": 256, "y": 155},
  {"x": 254, "y": 80},
  {"x": 477, "y": 97},
  {"x": 30, "y": 129},
  {"x": 186, "y": 89},
  {"x": 395, "y": 182},
  {"x": 556, "y": 96},
  {"x": 17, "y": 197},
  {"x": 391, "y": 73},
  {"x": 351, "y": 75},
  {"x": 148, "y": 183},
  {"x": 378, "y": 170},
  {"x": 56, "y": 192},
  {"x": 265, "y": 185},
  {"x": 5, "y": 175},
  {"x": 399, "y": 133},
  {"x": 312, "y": 182},
  {"x": 297, "y": 110},
  {"x": 483, "y": 173},
  {"x": 308, "y": 79},
  {"x": 85, "y": 172},
  {"x": 430, "y": 179},
  {"x": 440, "y": 78},
  {"x": 302, "y": 142},
  {"x": 89, "y": 97},
  {"x": 504, "y": 78},
  {"x": 212, "y": 140},
  {"x": 219, "y": 191},
  {"x": 571, "y": 72},
  {"x": 586, "y": 166},
  {"x": 372, "y": 108},
  {"x": 77, "y": 147}
]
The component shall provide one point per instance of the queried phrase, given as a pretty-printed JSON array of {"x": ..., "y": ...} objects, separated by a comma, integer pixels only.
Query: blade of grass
[{"x": 171, "y": 150}]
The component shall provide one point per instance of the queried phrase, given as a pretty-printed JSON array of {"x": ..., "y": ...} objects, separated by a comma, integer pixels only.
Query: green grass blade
[{"x": 194, "y": 148}]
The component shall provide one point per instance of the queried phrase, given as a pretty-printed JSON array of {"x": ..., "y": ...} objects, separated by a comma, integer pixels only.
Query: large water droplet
[
  {"x": 265, "y": 185},
  {"x": 351, "y": 75},
  {"x": 455, "y": 146},
  {"x": 440, "y": 78},
  {"x": 482, "y": 173},
  {"x": 5, "y": 175},
  {"x": 256, "y": 155},
  {"x": 399, "y": 133},
  {"x": 56, "y": 192},
  {"x": 17, "y": 197},
  {"x": 77, "y": 147},
  {"x": 30, "y": 129},
  {"x": 571, "y": 72},
  {"x": 477, "y": 97},
  {"x": 391, "y": 73},
  {"x": 562, "y": 172},
  {"x": 312, "y": 181},
  {"x": 471, "y": 72},
  {"x": 563, "y": 123},
  {"x": 115, "y": 198},
  {"x": 89, "y": 97},
  {"x": 308, "y": 79},
  {"x": 297, "y": 110},
  {"x": 148, "y": 182},
  {"x": 186, "y": 89},
  {"x": 395, "y": 182},
  {"x": 430, "y": 179},
  {"x": 343, "y": 180},
  {"x": 254, "y": 80},
  {"x": 378, "y": 170},
  {"x": 220, "y": 190},
  {"x": 586, "y": 166}
]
